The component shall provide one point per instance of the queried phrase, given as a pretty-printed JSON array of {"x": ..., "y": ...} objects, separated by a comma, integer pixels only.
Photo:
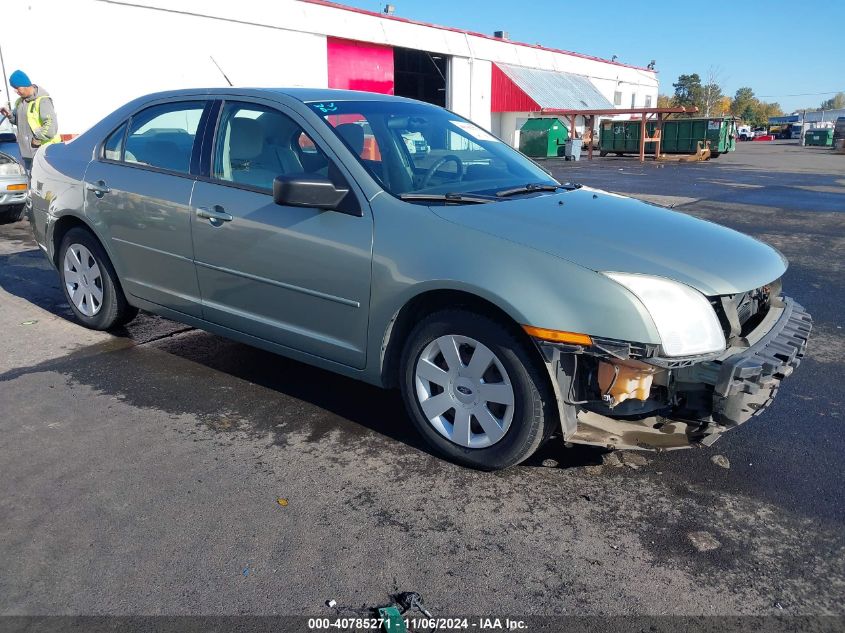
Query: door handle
[
  {"x": 99, "y": 188},
  {"x": 216, "y": 215}
]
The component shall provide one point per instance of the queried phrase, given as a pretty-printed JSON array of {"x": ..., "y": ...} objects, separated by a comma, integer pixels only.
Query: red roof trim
[{"x": 335, "y": 5}]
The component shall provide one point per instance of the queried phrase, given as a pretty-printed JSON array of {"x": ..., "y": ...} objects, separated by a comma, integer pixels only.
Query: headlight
[
  {"x": 684, "y": 318},
  {"x": 11, "y": 168}
]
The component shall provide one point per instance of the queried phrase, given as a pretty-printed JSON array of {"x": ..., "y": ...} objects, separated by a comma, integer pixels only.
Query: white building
[{"x": 105, "y": 52}]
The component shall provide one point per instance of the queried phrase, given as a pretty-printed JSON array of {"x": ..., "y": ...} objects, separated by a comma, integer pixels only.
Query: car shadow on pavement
[{"x": 230, "y": 388}]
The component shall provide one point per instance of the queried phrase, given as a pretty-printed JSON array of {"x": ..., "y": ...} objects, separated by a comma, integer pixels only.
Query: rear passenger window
[
  {"x": 113, "y": 146},
  {"x": 163, "y": 136}
]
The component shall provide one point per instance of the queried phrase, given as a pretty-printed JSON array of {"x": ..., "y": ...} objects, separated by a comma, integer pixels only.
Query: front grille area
[{"x": 741, "y": 313}]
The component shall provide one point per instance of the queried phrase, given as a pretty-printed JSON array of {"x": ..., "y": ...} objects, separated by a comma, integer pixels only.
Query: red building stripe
[{"x": 336, "y": 5}]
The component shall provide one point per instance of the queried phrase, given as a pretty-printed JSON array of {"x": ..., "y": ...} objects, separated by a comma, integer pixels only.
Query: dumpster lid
[
  {"x": 548, "y": 89},
  {"x": 533, "y": 125}
]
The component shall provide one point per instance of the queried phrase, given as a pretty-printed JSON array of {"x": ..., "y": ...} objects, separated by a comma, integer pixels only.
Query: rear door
[
  {"x": 138, "y": 194},
  {"x": 299, "y": 277}
]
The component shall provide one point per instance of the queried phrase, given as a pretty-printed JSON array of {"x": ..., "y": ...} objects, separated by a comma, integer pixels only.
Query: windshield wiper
[
  {"x": 456, "y": 198},
  {"x": 534, "y": 187}
]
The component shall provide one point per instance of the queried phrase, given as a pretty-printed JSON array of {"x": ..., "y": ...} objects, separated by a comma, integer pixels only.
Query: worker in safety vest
[{"x": 34, "y": 115}]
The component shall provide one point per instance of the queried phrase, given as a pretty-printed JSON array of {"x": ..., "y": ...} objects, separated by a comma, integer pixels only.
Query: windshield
[{"x": 416, "y": 149}]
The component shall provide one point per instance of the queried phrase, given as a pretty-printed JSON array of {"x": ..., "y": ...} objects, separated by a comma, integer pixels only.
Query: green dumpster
[
  {"x": 679, "y": 136},
  {"x": 822, "y": 137},
  {"x": 543, "y": 138}
]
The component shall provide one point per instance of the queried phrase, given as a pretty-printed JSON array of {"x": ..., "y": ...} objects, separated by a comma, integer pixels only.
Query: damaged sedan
[{"x": 507, "y": 307}]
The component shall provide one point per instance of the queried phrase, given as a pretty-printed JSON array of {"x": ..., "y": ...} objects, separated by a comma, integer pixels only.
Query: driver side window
[{"x": 254, "y": 144}]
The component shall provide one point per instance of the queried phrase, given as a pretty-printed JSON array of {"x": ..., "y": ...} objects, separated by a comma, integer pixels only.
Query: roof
[
  {"x": 555, "y": 89},
  {"x": 385, "y": 16}
]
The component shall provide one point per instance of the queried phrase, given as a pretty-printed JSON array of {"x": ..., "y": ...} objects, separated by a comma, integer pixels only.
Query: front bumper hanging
[{"x": 710, "y": 397}]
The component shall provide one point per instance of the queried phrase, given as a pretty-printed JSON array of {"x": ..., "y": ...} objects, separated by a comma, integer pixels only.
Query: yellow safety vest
[{"x": 33, "y": 117}]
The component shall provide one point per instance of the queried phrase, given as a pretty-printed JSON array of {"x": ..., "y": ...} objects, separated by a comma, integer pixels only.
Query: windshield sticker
[
  {"x": 475, "y": 131},
  {"x": 325, "y": 108}
]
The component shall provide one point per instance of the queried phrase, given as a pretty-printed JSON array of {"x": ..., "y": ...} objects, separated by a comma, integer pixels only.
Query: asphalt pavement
[{"x": 161, "y": 470}]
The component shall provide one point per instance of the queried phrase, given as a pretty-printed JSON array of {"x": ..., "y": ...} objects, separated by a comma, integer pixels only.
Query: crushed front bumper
[
  {"x": 709, "y": 397},
  {"x": 745, "y": 380}
]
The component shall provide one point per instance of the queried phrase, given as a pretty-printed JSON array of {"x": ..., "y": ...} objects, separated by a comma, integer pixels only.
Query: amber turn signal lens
[
  {"x": 16, "y": 187},
  {"x": 556, "y": 336}
]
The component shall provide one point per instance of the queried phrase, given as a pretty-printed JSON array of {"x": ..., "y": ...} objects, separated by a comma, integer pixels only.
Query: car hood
[{"x": 609, "y": 232}]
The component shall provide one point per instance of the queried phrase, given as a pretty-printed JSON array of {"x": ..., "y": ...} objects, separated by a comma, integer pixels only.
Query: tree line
[{"x": 707, "y": 96}]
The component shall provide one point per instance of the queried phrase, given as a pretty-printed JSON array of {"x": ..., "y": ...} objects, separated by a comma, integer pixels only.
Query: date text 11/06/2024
[{"x": 379, "y": 624}]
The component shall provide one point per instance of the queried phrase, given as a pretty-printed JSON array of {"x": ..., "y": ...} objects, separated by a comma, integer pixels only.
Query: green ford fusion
[{"x": 507, "y": 307}]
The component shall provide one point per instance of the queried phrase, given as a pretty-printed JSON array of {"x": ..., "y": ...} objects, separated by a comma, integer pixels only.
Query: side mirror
[{"x": 303, "y": 190}]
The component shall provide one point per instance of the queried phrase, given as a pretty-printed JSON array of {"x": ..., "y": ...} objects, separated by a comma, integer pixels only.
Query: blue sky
[{"x": 765, "y": 44}]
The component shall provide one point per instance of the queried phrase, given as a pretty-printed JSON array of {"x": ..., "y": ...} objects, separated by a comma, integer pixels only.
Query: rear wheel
[
  {"x": 474, "y": 391},
  {"x": 90, "y": 283},
  {"x": 12, "y": 213}
]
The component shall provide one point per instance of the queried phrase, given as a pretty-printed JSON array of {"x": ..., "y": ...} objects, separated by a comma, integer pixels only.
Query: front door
[
  {"x": 299, "y": 277},
  {"x": 138, "y": 195}
]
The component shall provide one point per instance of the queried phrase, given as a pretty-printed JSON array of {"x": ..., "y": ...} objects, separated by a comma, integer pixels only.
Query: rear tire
[
  {"x": 12, "y": 213},
  {"x": 90, "y": 283},
  {"x": 475, "y": 392}
]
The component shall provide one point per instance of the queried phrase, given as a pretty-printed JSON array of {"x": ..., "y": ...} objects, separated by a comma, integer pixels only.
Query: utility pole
[{"x": 803, "y": 116}]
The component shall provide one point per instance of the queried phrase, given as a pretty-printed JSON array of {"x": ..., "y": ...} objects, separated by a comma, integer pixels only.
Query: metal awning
[{"x": 552, "y": 89}]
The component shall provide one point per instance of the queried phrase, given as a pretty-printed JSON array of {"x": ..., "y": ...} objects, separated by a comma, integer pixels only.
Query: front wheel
[
  {"x": 475, "y": 392},
  {"x": 90, "y": 283}
]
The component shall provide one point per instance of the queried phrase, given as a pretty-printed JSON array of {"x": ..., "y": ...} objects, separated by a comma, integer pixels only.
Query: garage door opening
[{"x": 420, "y": 75}]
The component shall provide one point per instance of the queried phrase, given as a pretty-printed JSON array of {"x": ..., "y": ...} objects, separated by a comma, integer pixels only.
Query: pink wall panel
[{"x": 360, "y": 66}]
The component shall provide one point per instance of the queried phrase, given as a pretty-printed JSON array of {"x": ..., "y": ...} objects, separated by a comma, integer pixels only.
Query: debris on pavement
[
  {"x": 550, "y": 463},
  {"x": 721, "y": 461},
  {"x": 30, "y": 322},
  {"x": 612, "y": 459},
  {"x": 618, "y": 459},
  {"x": 703, "y": 541},
  {"x": 282, "y": 501},
  {"x": 393, "y": 620},
  {"x": 410, "y": 600},
  {"x": 331, "y": 604},
  {"x": 246, "y": 571},
  {"x": 633, "y": 459}
]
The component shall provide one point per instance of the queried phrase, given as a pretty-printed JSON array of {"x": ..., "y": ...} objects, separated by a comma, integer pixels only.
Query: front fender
[{"x": 415, "y": 252}]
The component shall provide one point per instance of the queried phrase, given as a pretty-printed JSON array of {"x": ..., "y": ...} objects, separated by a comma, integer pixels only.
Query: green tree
[
  {"x": 743, "y": 104},
  {"x": 688, "y": 91},
  {"x": 834, "y": 103},
  {"x": 664, "y": 101}
]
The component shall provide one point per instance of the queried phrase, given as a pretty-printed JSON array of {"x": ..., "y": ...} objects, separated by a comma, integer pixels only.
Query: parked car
[
  {"x": 13, "y": 180},
  {"x": 744, "y": 133},
  {"x": 497, "y": 299}
]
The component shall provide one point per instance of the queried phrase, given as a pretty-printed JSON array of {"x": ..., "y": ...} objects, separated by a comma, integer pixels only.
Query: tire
[
  {"x": 84, "y": 265},
  {"x": 12, "y": 213},
  {"x": 603, "y": 153},
  {"x": 524, "y": 417},
  {"x": 715, "y": 154}
]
